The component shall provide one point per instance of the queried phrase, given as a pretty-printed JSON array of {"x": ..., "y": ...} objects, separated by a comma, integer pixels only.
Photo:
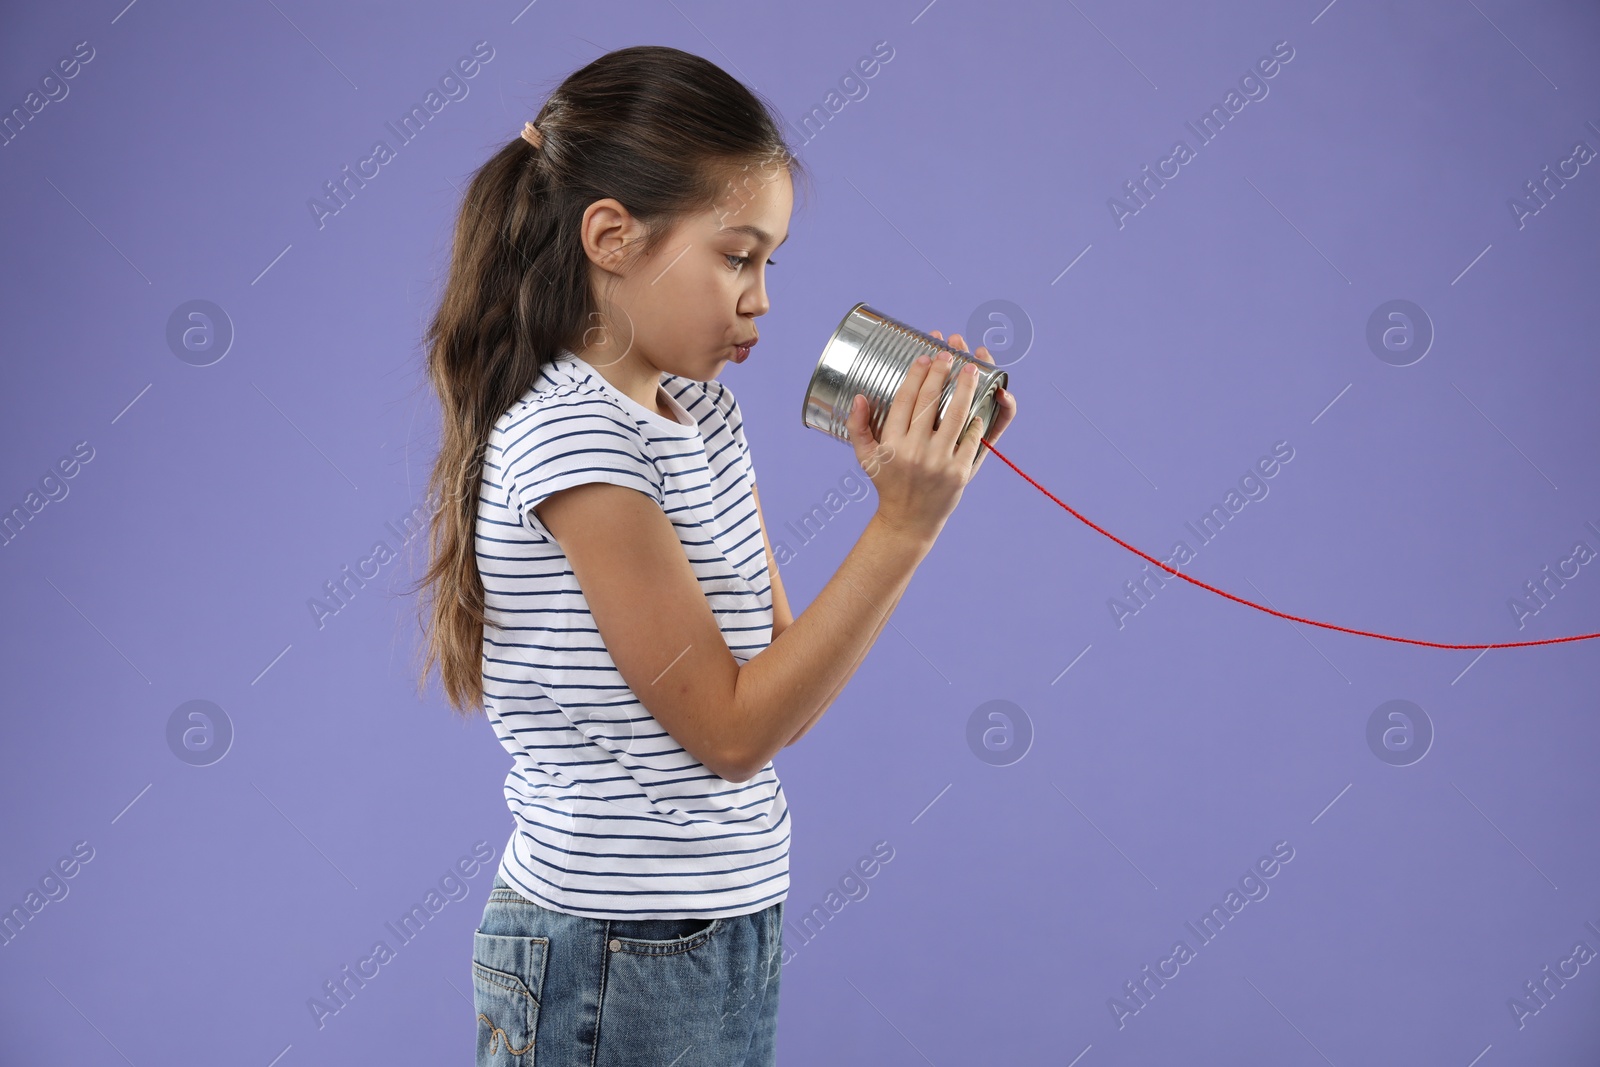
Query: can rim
[{"x": 805, "y": 398}]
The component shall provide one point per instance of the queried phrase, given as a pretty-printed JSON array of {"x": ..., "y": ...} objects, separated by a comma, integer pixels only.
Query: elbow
[
  {"x": 740, "y": 767},
  {"x": 741, "y": 772},
  {"x": 736, "y": 777},
  {"x": 728, "y": 763},
  {"x": 738, "y": 760},
  {"x": 746, "y": 749}
]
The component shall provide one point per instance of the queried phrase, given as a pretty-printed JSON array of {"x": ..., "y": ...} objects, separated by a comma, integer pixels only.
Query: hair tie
[{"x": 531, "y": 134}]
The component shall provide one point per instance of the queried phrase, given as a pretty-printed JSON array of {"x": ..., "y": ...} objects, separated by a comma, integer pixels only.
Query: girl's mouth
[{"x": 741, "y": 352}]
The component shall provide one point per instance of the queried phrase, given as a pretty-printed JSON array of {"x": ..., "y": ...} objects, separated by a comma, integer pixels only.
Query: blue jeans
[{"x": 559, "y": 990}]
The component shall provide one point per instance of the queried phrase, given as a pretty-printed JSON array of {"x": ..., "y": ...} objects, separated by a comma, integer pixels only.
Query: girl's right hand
[{"x": 919, "y": 470}]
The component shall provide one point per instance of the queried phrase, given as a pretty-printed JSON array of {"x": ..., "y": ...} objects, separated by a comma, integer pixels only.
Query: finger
[
  {"x": 960, "y": 344},
  {"x": 967, "y": 448},
  {"x": 924, "y": 414},
  {"x": 954, "y": 426},
  {"x": 1007, "y": 403},
  {"x": 897, "y": 420},
  {"x": 1006, "y": 410},
  {"x": 860, "y": 426}
]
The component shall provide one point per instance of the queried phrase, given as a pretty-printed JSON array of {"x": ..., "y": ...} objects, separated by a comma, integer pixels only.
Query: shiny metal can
[{"x": 870, "y": 353}]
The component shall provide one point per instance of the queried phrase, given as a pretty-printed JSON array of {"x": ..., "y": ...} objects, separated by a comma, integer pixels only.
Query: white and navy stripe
[{"x": 613, "y": 817}]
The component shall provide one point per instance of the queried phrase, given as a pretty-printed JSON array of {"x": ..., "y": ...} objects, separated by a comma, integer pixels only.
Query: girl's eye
[{"x": 737, "y": 262}]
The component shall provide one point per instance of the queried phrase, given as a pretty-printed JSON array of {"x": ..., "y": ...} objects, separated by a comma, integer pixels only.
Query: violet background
[{"x": 1228, "y": 314}]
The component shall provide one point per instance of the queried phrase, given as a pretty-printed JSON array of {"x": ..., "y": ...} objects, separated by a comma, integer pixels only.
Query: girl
[{"x": 602, "y": 582}]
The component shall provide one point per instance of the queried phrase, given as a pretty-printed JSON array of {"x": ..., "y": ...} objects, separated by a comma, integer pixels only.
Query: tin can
[{"x": 870, "y": 353}]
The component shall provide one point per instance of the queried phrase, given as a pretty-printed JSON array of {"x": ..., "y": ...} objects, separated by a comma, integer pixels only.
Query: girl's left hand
[{"x": 1004, "y": 398}]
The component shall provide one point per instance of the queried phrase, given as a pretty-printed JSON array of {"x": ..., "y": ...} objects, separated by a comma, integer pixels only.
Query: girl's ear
[{"x": 608, "y": 230}]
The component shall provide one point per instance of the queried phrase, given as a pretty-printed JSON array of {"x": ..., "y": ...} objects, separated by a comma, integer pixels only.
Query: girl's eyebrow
[{"x": 753, "y": 231}]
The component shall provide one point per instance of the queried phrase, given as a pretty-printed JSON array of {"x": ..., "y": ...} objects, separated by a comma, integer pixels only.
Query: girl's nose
[{"x": 755, "y": 300}]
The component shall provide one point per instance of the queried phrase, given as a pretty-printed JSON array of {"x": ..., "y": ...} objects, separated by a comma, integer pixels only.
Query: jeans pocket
[
  {"x": 507, "y": 979},
  {"x": 661, "y": 937}
]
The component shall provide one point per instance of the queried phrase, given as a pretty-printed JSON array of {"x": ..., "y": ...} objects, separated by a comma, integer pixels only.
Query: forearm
[{"x": 786, "y": 686}]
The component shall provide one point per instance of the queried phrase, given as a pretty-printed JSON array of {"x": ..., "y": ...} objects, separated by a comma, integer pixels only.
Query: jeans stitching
[
  {"x": 497, "y": 1034},
  {"x": 600, "y": 998},
  {"x": 515, "y": 985},
  {"x": 642, "y": 947},
  {"x": 494, "y": 977}
]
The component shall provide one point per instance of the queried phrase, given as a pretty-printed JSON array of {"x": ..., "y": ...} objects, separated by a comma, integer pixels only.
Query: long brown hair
[{"x": 665, "y": 132}]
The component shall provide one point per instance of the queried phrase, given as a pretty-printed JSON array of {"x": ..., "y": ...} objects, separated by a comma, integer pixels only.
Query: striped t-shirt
[{"x": 613, "y": 818}]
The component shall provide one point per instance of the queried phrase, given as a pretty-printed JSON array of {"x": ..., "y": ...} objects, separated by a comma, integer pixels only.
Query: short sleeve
[{"x": 562, "y": 442}]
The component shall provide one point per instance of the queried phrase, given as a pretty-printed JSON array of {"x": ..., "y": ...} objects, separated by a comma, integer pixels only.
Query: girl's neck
[{"x": 630, "y": 377}]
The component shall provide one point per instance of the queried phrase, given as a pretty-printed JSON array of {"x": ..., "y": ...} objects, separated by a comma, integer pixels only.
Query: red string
[{"x": 1271, "y": 611}]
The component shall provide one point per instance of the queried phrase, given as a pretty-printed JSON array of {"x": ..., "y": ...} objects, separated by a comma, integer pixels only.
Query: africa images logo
[{"x": 1253, "y": 86}]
